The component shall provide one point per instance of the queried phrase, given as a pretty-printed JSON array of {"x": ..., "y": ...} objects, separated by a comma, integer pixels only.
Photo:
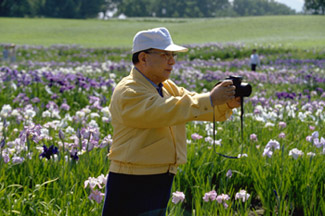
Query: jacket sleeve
[{"x": 146, "y": 110}]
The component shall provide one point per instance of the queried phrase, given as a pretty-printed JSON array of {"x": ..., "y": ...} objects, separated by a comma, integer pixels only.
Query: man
[
  {"x": 255, "y": 60},
  {"x": 5, "y": 53},
  {"x": 149, "y": 113}
]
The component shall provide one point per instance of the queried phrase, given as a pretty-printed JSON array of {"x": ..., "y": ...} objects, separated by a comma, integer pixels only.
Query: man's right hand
[{"x": 223, "y": 93}]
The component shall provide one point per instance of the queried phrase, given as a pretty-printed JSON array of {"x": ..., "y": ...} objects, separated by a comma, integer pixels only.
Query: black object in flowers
[
  {"x": 48, "y": 152},
  {"x": 74, "y": 156}
]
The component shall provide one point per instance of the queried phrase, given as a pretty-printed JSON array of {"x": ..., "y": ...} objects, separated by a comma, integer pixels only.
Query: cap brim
[{"x": 173, "y": 48}]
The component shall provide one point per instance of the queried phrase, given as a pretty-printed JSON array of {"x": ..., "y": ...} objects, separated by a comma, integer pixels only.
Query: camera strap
[
  {"x": 241, "y": 127},
  {"x": 214, "y": 139}
]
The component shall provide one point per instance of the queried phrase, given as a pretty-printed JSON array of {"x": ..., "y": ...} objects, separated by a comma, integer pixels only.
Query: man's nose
[{"x": 171, "y": 60}]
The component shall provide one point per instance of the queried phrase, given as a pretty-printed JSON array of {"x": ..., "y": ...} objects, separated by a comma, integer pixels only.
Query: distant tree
[
  {"x": 212, "y": 8},
  {"x": 89, "y": 9},
  {"x": 5, "y": 8},
  {"x": 35, "y": 7},
  {"x": 132, "y": 8},
  {"x": 186, "y": 8},
  {"x": 14, "y": 8},
  {"x": 51, "y": 8},
  {"x": 260, "y": 7},
  {"x": 315, "y": 6},
  {"x": 109, "y": 5},
  {"x": 69, "y": 9},
  {"x": 162, "y": 8},
  {"x": 72, "y": 8}
]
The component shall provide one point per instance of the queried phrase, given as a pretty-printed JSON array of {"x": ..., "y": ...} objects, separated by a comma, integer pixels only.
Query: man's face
[{"x": 159, "y": 65}]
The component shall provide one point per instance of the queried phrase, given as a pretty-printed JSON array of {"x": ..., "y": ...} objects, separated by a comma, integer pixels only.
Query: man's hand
[
  {"x": 223, "y": 93},
  {"x": 234, "y": 103}
]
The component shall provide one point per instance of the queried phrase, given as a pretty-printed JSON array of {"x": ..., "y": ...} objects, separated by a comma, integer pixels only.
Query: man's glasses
[{"x": 166, "y": 55}]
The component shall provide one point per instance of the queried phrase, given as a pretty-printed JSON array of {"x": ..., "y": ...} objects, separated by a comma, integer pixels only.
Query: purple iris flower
[
  {"x": 35, "y": 100},
  {"x": 30, "y": 131},
  {"x": 307, "y": 77},
  {"x": 74, "y": 155},
  {"x": 66, "y": 88},
  {"x": 65, "y": 107},
  {"x": 52, "y": 105},
  {"x": 2, "y": 143},
  {"x": 48, "y": 152},
  {"x": 286, "y": 95},
  {"x": 21, "y": 97},
  {"x": 61, "y": 135},
  {"x": 54, "y": 96}
]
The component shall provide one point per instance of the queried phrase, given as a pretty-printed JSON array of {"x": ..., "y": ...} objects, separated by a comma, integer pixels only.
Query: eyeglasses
[{"x": 166, "y": 55}]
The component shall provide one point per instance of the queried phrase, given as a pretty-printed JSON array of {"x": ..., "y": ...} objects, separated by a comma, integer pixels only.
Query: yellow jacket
[{"x": 149, "y": 130}]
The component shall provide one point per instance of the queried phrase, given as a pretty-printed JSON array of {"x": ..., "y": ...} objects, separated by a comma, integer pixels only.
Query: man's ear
[{"x": 142, "y": 57}]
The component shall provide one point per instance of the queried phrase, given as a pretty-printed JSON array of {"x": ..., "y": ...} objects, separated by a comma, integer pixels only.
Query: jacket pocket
[{"x": 158, "y": 153}]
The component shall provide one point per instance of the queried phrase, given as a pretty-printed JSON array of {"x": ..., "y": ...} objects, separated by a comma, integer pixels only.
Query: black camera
[{"x": 242, "y": 89}]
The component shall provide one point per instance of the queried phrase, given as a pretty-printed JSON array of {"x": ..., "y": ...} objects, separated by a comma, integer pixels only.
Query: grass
[
  {"x": 297, "y": 31},
  {"x": 279, "y": 185}
]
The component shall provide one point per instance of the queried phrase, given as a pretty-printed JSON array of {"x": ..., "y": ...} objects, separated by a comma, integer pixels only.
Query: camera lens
[{"x": 244, "y": 90}]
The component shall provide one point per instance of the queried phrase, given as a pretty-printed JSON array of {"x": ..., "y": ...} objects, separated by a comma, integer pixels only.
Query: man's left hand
[{"x": 234, "y": 103}]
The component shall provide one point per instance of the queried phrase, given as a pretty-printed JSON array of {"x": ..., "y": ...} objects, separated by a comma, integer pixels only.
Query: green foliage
[
  {"x": 283, "y": 185},
  {"x": 231, "y": 52},
  {"x": 279, "y": 185},
  {"x": 260, "y": 7},
  {"x": 196, "y": 8},
  {"x": 51, "y": 8},
  {"x": 315, "y": 6},
  {"x": 141, "y": 8},
  {"x": 41, "y": 187},
  {"x": 16, "y": 8}
]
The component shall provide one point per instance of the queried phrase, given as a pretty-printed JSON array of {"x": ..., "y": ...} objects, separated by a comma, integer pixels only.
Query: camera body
[{"x": 242, "y": 89}]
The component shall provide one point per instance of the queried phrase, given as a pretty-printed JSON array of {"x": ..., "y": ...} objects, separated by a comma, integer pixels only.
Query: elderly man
[{"x": 149, "y": 113}]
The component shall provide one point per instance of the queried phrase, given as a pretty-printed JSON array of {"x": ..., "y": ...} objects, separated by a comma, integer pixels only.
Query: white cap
[{"x": 158, "y": 38}]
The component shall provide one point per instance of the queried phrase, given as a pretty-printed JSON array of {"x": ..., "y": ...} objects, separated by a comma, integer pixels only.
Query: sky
[{"x": 294, "y": 4}]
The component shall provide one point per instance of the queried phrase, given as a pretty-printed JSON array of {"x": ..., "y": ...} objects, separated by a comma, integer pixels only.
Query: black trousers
[
  {"x": 135, "y": 195},
  {"x": 253, "y": 67}
]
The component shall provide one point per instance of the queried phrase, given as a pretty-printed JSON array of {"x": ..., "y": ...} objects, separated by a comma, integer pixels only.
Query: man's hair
[{"x": 135, "y": 56}]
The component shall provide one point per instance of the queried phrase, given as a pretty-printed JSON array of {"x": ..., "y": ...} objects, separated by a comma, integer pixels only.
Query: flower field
[{"x": 55, "y": 132}]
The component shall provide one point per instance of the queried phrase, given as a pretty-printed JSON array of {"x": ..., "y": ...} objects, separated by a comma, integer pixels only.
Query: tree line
[
  {"x": 81, "y": 9},
  {"x": 51, "y": 8},
  {"x": 200, "y": 8}
]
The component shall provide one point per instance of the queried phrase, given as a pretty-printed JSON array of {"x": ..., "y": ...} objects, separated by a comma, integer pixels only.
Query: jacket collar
[{"x": 140, "y": 78}]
